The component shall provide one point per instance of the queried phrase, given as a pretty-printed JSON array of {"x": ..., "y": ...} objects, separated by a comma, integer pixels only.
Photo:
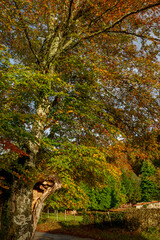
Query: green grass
[{"x": 61, "y": 217}]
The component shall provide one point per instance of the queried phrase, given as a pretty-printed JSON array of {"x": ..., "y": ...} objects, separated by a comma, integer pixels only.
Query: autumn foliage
[
  {"x": 79, "y": 90},
  {"x": 7, "y": 145}
]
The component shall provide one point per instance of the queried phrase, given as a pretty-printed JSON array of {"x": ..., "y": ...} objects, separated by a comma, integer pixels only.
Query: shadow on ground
[
  {"x": 90, "y": 231},
  {"x": 49, "y": 236}
]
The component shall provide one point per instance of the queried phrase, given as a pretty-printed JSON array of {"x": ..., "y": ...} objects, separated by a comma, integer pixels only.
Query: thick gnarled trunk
[
  {"x": 23, "y": 204},
  {"x": 22, "y": 208},
  {"x": 17, "y": 214}
]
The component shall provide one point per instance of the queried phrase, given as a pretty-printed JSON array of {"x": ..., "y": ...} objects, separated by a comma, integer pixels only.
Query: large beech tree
[{"x": 80, "y": 72}]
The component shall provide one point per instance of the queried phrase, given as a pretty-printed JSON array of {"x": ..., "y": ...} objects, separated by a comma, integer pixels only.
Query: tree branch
[
  {"x": 26, "y": 32},
  {"x": 136, "y": 35},
  {"x": 116, "y": 23},
  {"x": 103, "y": 13},
  {"x": 69, "y": 12},
  {"x": 121, "y": 19}
]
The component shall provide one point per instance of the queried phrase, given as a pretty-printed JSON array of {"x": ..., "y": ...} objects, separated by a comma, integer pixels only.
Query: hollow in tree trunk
[{"x": 22, "y": 208}]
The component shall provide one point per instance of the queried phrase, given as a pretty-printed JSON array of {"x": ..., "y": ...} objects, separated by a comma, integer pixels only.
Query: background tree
[
  {"x": 101, "y": 198},
  {"x": 148, "y": 187},
  {"x": 45, "y": 38},
  {"x": 131, "y": 186}
]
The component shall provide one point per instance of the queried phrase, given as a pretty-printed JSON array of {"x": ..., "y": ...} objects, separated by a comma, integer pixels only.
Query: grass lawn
[
  {"x": 60, "y": 217},
  {"x": 77, "y": 228}
]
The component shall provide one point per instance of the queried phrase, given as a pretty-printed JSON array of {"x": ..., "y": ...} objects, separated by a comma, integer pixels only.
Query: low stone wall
[
  {"x": 131, "y": 219},
  {"x": 154, "y": 205},
  {"x": 142, "y": 218}
]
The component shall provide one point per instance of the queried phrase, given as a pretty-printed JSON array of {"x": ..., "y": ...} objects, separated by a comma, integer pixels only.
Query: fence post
[
  {"x": 109, "y": 217},
  {"x": 65, "y": 215},
  {"x": 48, "y": 213},
  {"x": 57, "y": 215},
  {"x": 74, "y": 215}
]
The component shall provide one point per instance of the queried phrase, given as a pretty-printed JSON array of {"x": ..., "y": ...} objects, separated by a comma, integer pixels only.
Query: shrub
[
  {"x": 102, "y": 220},
  {"x": 142, "y": 219},
  {"x": 132, "y": 219}
]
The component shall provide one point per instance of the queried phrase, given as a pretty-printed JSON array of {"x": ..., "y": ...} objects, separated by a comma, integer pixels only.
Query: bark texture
[
  {"x": 22, "y": 208},
  {"x": 41, "y": 191},
  {"x": 17, "y": 214}
]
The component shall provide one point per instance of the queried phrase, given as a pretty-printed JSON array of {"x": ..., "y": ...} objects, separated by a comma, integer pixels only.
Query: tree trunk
[
  {"x": 40, "y": 192},
  {"x": 17, "y": 214},
  {"x": 22, "y": 208}
]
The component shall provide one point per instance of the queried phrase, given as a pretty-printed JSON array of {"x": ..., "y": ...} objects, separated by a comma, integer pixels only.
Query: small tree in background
[
  {"x": 149, "y": 189},
  {"x": 131, "y": 186},
  {"x": 101, "y": 199}
]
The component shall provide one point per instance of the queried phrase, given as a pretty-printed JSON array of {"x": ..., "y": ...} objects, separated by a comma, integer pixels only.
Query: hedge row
[
  {"x": 132, "y": 219},
  {"x": 101, "y": 220},
  {"x": 142, "y": 219}
]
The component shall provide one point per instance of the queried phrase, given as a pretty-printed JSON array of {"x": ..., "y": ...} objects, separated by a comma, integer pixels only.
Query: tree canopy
[
  {"x": 80, "y": 75},
  {"x": 79, "y": 91}
]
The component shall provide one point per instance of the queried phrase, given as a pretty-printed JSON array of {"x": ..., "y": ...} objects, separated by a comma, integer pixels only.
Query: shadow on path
[
  {"x": 48, "y": 236},
  {"x": 68, "y": 231}
]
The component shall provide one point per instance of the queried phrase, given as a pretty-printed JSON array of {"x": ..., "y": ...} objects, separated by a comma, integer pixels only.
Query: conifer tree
[{"x": 149, "y": 189}]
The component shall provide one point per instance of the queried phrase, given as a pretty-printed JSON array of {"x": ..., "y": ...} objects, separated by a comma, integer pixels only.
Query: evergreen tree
[
  {"x": 101, "y": 198},
  {"x": 131, "y": 186},
  {"x": 149, "y": 189}
]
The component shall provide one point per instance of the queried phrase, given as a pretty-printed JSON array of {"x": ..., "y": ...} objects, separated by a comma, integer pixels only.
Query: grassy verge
[
  {"x": 60, "y": 217},
  {"x": 78, "y": 229}
]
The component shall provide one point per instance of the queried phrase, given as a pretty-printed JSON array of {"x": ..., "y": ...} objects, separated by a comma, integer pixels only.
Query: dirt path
[{"x": 48, "y": 236}]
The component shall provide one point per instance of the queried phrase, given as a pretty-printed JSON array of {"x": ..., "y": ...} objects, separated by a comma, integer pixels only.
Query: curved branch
[
  {"x": 107, "y": 29},
  {"x": 26, "y": 33},
  {"x": 101, "y": 15},
  {"x": 121, "y": 19},
  {"x": 136, "y": 35},
  {"x": 69, "y": 12}
]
